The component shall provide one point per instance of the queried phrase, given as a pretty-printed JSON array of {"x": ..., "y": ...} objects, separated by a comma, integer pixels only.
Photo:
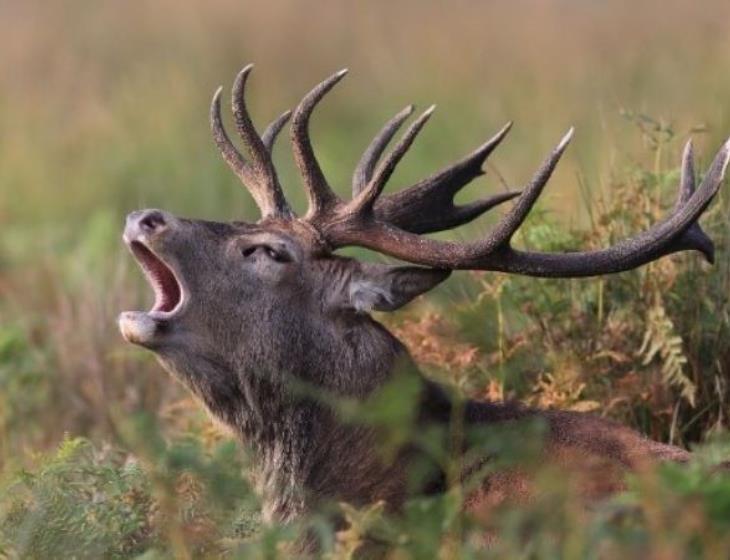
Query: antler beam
[{"x": 677, "y": 232}]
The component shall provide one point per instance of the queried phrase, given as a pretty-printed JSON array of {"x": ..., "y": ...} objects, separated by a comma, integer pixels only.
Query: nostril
[{"x": 151, "y": 221}]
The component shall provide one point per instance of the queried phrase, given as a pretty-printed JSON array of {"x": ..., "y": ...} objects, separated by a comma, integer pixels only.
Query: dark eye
[
  {"x": 273, "y": 254},
  {"x": 278, "y": 255}
]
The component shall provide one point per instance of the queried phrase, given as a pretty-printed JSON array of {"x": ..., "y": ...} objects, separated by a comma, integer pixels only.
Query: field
[{"x": 104, "y": 109}]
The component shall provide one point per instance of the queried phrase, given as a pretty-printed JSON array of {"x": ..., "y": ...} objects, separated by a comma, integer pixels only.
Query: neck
[
  {"x": 280, "y": 405},
  {"x": 303, "y": 451}
]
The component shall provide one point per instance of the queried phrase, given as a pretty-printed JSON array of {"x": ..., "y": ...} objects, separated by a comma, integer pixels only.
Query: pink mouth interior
[{"x": 163, "y": 281}]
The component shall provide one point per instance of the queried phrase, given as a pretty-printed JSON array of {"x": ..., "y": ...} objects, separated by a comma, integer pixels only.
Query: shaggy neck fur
[
  {"x": 304, "y": 454},
  {"x": 276, "y": 402}
]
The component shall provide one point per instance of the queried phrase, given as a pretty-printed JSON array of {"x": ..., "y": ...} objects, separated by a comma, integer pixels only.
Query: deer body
[
  {"x": 305, "y": 455},
  {"x": 247, "y": 314}
]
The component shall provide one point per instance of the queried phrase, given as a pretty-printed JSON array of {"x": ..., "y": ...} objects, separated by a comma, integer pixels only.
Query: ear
[{"x": 379, "y": 287}]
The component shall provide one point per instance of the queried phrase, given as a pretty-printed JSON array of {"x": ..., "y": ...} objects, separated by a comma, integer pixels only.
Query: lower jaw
[{"x": 138, "y": 327}]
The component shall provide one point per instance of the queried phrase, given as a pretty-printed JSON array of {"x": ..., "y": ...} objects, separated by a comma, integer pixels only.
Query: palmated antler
[
  {"x": 392, "y": 224},
  {"x": 428, "y": 205},
  {"x": 257, "y": 173}
]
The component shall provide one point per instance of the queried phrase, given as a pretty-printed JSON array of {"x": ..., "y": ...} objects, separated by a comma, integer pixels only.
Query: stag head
[{"x": 273, "y": 297}]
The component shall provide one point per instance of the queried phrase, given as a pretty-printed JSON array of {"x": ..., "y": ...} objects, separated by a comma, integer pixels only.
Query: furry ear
[{"x": 378, "y": 287}]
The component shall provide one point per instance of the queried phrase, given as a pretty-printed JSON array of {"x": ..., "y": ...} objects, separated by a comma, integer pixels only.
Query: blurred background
[{"x": 104, "y": 109}]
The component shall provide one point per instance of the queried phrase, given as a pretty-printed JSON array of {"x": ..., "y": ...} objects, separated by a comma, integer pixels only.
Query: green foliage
[
  {"x": 175, "y": 499},
  {"x": 661, "y": 340},
  {"x": 79, "y": 503},
  {"x": 24, "y": 389},
  {"x": 84, "y": 501}
]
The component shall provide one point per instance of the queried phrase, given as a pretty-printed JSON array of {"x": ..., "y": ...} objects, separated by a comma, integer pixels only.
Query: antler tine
[
  {"x": 429, "y": 206},
  {"x": 265, "y": 189},
  {"x": 320, "y": 195},
  {"x": 693, "y": 237},
  {"x": 245, "y": 126},
  {"x": 516, "y": 216},
  {"x": 366, "y": 199},
  {"x": 678, "y": 232},
  {"x": 229, "y": 152},
  {"x": 365, "y": 167},
  {"x": 272, "y": 131},
  {"x": 687, "y": 177}
]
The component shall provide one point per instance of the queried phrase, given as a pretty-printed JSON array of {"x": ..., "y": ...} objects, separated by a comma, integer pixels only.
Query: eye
[
  {"x": 278, "y": 255},
  {"x": 273, "y": 254}
]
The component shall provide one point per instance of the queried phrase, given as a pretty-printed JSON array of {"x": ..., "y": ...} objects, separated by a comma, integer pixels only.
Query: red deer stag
[{"x": 241, "y": 309}]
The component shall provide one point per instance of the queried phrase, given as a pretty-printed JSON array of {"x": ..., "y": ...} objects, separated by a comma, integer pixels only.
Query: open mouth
[{"x": 168, "y": 291}]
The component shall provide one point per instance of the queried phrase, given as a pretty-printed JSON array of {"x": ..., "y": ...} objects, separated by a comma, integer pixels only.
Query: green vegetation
[{"x": 104, "y": 110}]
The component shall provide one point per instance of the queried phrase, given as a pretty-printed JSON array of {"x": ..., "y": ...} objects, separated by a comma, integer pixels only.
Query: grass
[{"x": 104, "y": 110}]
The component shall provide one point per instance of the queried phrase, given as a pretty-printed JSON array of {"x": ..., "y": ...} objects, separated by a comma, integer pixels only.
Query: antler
[
  {"x": 258, "y": 174},
  {"x": 678, "y": 232},
  {"x": 392, "y": 224}
]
